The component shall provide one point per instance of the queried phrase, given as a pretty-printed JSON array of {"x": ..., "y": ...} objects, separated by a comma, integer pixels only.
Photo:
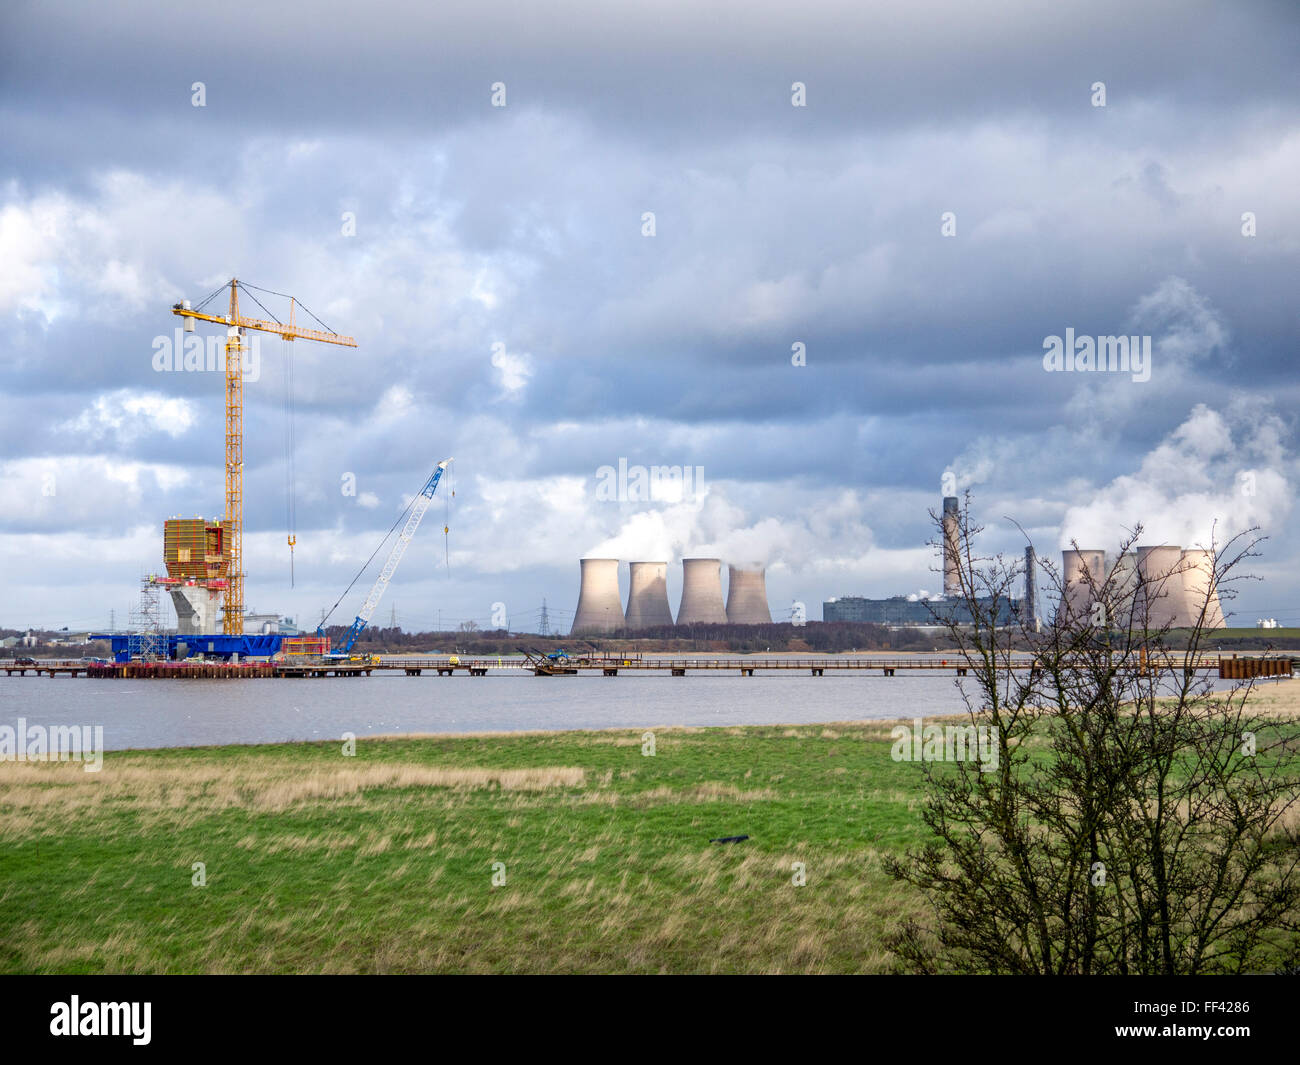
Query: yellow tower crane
[{"x": 235, "y": 323}]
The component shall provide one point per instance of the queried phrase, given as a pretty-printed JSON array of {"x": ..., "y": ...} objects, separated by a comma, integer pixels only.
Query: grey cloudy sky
[{"x": 521, "y": 226}]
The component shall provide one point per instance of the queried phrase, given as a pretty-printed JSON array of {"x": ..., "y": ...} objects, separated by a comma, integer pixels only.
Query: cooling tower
[
  {"x": 747, "y": 596},
  {"x": 1077, "y": 567},
  {"x": 1123, "y": 585},
  {"x": 1160, "y": 598},
  {"x": 951, "y": 525},
  {"x": 701, "y": 593},
  {"x": 1198, "y": 585},
  {"x": 600, "y": 608},
  {"x": 647, "y": 596}
]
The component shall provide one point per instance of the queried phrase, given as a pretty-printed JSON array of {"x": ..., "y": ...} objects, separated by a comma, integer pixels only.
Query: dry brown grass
[
  {"x": 1275, "y": 699},
  {"x": 40, "y": 793}
]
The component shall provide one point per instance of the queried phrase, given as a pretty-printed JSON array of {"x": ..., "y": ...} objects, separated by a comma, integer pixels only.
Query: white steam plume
[{"x": 1228, "y": 469}]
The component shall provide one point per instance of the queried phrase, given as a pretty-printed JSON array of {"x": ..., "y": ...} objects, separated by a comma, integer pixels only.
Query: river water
[{"x": 185, "y": 713}]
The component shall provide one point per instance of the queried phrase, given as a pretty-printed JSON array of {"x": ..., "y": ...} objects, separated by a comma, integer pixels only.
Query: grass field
[
  {"x": 384, "y": 862},
  {"x": 1251, "y": 633}
]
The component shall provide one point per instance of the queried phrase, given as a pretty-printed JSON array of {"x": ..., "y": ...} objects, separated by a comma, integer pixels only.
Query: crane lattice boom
[{"x": 394, "y": 557}]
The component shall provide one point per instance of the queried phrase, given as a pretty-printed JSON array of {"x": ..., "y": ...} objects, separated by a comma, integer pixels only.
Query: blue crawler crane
[{"x": 418, "y": 506}]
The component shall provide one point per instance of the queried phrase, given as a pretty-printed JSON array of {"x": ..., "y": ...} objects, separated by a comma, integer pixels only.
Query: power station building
[
  {"x": 1150, "y": 587},
  {"x": 900, "y": 610}
]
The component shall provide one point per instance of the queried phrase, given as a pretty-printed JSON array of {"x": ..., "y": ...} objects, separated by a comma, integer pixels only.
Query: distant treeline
[{"x": 816, "y": 637}]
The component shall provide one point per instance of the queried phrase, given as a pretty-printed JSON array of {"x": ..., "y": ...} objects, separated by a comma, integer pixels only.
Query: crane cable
[
  {"x": 211, "y": 296},
  {"x": 446, "y": 518},
  {"x": 283, "y": 295},
  {"x": 400, "y": 518},
  {"x": 245, "y": 286}
]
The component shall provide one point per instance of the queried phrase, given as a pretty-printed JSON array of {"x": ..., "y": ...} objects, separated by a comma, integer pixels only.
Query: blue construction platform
[{"x": 216, "y": 645}]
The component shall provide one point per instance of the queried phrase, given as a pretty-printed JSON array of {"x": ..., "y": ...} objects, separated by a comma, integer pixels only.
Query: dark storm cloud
[
  {"x": 521, "y": 226},
  {"x": 650, "y": 66}
]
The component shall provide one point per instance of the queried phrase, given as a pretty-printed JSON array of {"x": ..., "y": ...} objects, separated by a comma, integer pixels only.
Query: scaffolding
[{"x": 147, "y": 641}]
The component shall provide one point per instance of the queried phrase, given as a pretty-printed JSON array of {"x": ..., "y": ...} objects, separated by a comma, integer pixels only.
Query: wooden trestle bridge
[{"x": 541, "y": 664}]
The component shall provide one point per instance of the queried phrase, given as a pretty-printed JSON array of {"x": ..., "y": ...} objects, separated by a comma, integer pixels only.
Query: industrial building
[
  {"x": 1151, "y": 586},
  {"x": 901, "y": 610},
  {"x": 918, "y": 610}
]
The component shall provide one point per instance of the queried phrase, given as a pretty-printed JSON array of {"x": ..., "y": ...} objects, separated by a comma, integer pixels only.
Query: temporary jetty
[{"x": 609, "y": 665}]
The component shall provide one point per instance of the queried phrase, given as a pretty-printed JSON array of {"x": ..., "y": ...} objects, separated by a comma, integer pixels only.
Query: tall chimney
[
  {"x": 1200, "y": 589},
  {"x": 747, "y": 596},
  {"x": 951, "y": 546},
  {"x": 1077, "y": 568},
  {"x": 1160, "y": 598},
  {"x": 600, "y": 609},
  {"x": 1031, "y": 589},
  {"x": 647, "y": 596},
  {"x": 701, "y": 593}
]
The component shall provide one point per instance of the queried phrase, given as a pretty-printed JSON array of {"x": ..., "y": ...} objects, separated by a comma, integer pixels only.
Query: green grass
[
  {"x": 1252, "y": 633},
  {"x": 383, "y": 862}
]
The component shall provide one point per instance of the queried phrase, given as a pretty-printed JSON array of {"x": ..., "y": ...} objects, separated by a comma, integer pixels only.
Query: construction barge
[
  {"x": 609, "y": 665},
  {"x": 161, "y": 670}
]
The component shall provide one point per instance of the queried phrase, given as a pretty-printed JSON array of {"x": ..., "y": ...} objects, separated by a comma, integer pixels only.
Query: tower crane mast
[{"x": 236, "y": 323}]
